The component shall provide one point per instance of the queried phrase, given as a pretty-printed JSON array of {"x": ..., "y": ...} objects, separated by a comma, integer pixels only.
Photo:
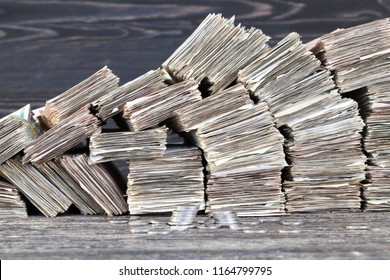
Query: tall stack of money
[
  {"x": 11, "y": 203},
  {"x": 214, "y": 53},
  {"x": 164, "y": 183},
  {"x": 17, "y": 131},
  {"x": 358, "y": 56},
  {"x": 375, "y": 108},
  {"x": 243, "y": 150},
  {"x": 322, "y": 130}
]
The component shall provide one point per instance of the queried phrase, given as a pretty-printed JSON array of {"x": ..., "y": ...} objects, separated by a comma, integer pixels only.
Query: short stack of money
[
  {"x": 377, "y": 145},
  {"x": 156, "y": 108},
  {"x": 11, "y": 202},
  {"x": 127, "y": 145},
  {"x": 243, "y": 150},
  {"x": 164, "y": 183},
  {"x": 322, "y": 130}
]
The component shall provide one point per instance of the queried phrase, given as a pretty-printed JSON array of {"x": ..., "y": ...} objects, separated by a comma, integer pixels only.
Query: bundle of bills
[
  {"x": 98, "y": 181},
  {"x": 62, "y": 137},
  {"x": 113, "y": 102},
  {"x": 197, "y": 114},
  {"x": 157, "y": 107},
  {"x": 82, "y": 94},
  {"x": 126, "y": 145},
  {"x": 81, "y": 198},
  {"x": 162, "y": 184},
  {"x": 375, "y": 104},
  {"x": 17, "y": 131},
  {"x": 322, "y": 130},
  {"x": 359, "y": 56},
  {"x": 243, "y": 150},
  {"x": 42, "y": 193},
  {"x": 11, "y": 203},
  {"x": 279, "y": 67},
  {"x": 215, "y": 52}
]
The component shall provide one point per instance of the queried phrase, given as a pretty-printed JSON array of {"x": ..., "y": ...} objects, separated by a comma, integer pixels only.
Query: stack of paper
[
  {"x": 377, "y": 145},
  {"x": 82, "y": 94},
  {"x": 243, "y": 150},
  {"x": 62, "y": 137},
  {"x": 17, "y": 131},
  {"x": 126, "y": 145},
  {"x": 358, "y": 56},
  {"x": 98, "y": 181},
  {"x": 215, "y": 52},
  {"x": 195, "y": 115},
  {"x": 11, "y": 203},
  {"x": 322, "y": 130},
  {"x": 157, "y": 107},
  {"x": 279, "y": 67},
  {"x": 81, "y": 198},
  {"x": 162, "y": 184},
  {"x": 35, "y": 187},
  {"x": 113, "y": 102}
]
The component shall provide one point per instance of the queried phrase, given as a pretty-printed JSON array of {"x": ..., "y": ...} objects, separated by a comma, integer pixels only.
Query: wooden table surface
[{"x": 48, "y": 46}]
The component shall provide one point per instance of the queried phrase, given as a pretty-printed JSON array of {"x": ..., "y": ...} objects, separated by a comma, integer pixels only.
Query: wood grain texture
[
  {"x": 48, "y": 46},
  {"x": 309, "y": 236}
]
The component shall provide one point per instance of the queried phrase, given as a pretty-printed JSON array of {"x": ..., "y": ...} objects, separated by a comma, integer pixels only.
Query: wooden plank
[{"x": 299, "y": 236}]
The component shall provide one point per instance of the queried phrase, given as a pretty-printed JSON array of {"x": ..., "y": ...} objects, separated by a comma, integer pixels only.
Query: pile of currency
[
  {"x": 358, "y": 56},
  {"x": 41, "y": 192},
  {"x": 322, "y": 130},
  {"x": 72, "y": 189},
  {"x": 72, "y": 100},
  {"x": 17, "y": 131},
  {"x": 243, "y": 150},
  {"x": 112, "y": 103},
  {"x": 226, "y": 124},
  {"x": 128, "y": 145},
  {"x": 99, "y": 180},
  {"x": 63, "y": 136},
  {"x": 284, "y": 65},
  {"x": 215, "y": 52},
  {"x": 149, "y": 111},
  {"x": 11, "y": 203},
  {"x": 375, "y": 104},
  {"x": 162, "y": 184}
]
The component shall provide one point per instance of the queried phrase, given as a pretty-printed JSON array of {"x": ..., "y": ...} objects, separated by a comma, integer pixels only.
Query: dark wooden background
[{"x": 48, "y": 46}]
